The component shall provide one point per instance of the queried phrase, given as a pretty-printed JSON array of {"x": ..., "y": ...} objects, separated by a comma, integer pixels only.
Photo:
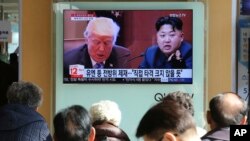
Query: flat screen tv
[{"x": 137, "y": 34}]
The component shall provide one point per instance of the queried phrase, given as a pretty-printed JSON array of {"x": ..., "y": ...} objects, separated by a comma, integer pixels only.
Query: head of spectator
[
  {"x": 169, "y": 34},
  {"x": 185, "y": 100},
  {"x": 106, "y": 120},
  {"x": 227, "y": 109},
  {"x": 73, "y": 124},
  {"x": 19, "y": 119},
  {"x": 167, "y": 121},
  {"x": 25, "y": 93},
  {"x": 101, "y": 34}
]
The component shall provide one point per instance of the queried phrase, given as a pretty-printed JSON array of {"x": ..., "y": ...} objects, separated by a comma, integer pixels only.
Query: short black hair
[
  {"x": 175, "y": 22},
  {"x": 165, "y": 116},
  {"x": 184, "y": 99},
  {"x": 72, "y": 124}
]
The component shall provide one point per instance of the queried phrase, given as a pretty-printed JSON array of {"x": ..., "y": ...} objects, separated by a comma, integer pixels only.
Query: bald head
[
  {"x": 231, "y": 103},
  {"x": 227, "y": 109},
  {"x": 102, "y": 26}
]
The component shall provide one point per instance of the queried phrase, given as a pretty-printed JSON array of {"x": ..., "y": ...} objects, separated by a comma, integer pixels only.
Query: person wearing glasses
[
  {"x": 100, "y": 50},
  {"x": 167, "y": 121}
]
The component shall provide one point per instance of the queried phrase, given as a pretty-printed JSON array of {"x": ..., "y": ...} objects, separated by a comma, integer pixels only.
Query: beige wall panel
[
  {"x": 219, "y": 46},
  {"x": 37, "y": 48}
]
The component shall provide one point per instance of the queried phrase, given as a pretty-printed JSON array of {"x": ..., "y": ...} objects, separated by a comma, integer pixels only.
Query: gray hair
[
  {"x": 102, "y": 25},
  {"x": 25, "y": 93}
]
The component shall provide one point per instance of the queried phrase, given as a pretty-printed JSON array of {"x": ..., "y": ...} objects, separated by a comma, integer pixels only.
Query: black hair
[
  {"x": 165, "y": 116},
  {"x": 175, "y": 22},
  {"x": 72, "y": 124}
]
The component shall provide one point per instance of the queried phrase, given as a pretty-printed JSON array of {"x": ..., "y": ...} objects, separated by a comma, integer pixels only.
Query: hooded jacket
[
  {"x": 109, "y": 132},
  {"x": 22, "y": 123}
]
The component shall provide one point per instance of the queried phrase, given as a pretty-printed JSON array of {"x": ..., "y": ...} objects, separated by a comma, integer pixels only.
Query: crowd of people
[{"x": 171, "y": 119}]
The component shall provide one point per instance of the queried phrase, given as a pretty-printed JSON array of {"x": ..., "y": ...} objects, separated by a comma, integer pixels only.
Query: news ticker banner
[
  {"x": 79, "y": 74},
  {"x": 239, "y": 132}
]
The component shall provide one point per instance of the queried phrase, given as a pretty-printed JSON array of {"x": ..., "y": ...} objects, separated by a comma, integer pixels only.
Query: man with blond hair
[{"x": 100, "y": 50}]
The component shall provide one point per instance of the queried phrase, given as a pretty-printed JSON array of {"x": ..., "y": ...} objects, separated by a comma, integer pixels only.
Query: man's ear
[
  {"x": 168, "y": 136},
  {"x": 209, "y": 118},
  {"x": 244, "y": 121},
  {"x": 92, "y": 134}
]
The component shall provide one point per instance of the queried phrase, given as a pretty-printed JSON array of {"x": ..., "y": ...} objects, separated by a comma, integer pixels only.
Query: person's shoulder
[
  {"x": 121, "y": 48},
  {"x": 186, "y": 45},
  {"x": 217, "y": 134},
  {"x": 152, "y": 50},
  {"x": 76, "y": 50}
]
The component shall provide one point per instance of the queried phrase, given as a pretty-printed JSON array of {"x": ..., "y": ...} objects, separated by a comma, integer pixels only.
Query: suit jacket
[
  {"x": 117, "y": 59},
  {"x": 154, "y": 58}
]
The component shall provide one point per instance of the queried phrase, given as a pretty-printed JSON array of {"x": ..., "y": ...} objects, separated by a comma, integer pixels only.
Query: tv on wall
[{"x": 150, "y": 57}]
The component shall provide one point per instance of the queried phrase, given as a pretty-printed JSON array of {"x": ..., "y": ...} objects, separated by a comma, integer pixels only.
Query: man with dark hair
[
  {"x": 225, "y": 109},
  {"x": 73, "y": 124},
  {"x": 185, "y": 100},
  {"x": 19, "y": 120},
  {"x": 167, "y": 120},
  {"x": 171, "y": 51}
]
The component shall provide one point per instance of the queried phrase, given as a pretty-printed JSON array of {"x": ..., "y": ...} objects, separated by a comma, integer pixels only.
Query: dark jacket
[
  {"x": 219, "y": 134},
  {"x": 109, "y": 132},
  {"x": 154, "y": 58},
  {"x": 117, "y": 59},
  {"x": 21, "y": 123}
]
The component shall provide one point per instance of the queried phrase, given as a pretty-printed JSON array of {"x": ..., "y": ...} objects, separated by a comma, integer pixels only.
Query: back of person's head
[
  {"x": 105, "y": 111},
  {"x": 227, "y": 109},
  {"x": 184, "y": 99},
  {"x": 167, "y": 120},
  {"x": 175, "y": 22},
  {"x": 102, "y": 26},
  {"x": 73, "y": 124},
  {"x": 25, "y": 93},
  {"x": 106, "y": 120}
]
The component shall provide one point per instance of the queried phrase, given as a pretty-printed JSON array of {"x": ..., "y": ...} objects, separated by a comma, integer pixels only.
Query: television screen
[{"x": 152, "y": 46}]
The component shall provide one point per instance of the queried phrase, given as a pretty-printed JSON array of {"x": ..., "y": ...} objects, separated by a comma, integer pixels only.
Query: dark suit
[
  {"x": 117, "y": 59},
  {"x": 154, "y": 58}
]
